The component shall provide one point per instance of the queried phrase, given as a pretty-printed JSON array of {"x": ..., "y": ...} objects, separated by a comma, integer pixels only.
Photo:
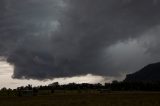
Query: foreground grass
[{"x": 108, "y": 99}]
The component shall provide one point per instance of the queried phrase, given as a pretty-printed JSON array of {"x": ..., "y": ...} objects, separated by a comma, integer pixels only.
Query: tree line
[{"x": 107, "y": 87}]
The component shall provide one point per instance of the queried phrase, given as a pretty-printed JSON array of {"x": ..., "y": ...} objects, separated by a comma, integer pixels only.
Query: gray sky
[{"x": 67, "y": 38}]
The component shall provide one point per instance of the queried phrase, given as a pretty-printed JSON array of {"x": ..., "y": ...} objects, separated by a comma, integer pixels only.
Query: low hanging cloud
[{"x": 65, "y": 38}]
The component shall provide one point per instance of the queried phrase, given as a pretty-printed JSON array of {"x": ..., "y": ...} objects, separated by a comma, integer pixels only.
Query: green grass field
[{"x": 107, "y": 99}]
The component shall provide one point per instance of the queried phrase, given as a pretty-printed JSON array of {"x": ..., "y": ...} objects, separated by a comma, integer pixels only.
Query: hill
[{"x": 149, "y": 73}]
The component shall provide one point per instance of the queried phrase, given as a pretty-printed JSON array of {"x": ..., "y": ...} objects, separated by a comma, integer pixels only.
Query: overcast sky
[{"x": 81, "y": 40}]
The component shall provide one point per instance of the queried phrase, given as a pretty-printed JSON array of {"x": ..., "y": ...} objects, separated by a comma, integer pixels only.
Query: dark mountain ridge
[{"x": 149, "y": 73}]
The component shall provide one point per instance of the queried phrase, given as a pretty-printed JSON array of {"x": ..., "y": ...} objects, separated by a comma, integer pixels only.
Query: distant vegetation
[
  {"x": 80, "y": 88},
  {"x": 109, "y": 94}
]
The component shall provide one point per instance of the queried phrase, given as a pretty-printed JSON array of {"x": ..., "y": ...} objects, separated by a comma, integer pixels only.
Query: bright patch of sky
[{"x": 6, "y": 71}]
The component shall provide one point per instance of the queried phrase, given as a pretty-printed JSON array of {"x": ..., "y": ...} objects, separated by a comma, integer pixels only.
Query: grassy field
[{"x": 107, "y": 99}]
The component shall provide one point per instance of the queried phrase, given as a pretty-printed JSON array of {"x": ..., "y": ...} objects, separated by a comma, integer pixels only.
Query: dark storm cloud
[{"x": 61, "y": 38}]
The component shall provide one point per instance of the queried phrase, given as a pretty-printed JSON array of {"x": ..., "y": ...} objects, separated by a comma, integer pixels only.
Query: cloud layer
[{"x": 63, "y": 38}]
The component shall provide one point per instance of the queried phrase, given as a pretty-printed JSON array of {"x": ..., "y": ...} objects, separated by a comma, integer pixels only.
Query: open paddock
[{"x": 88, "y": 99}]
